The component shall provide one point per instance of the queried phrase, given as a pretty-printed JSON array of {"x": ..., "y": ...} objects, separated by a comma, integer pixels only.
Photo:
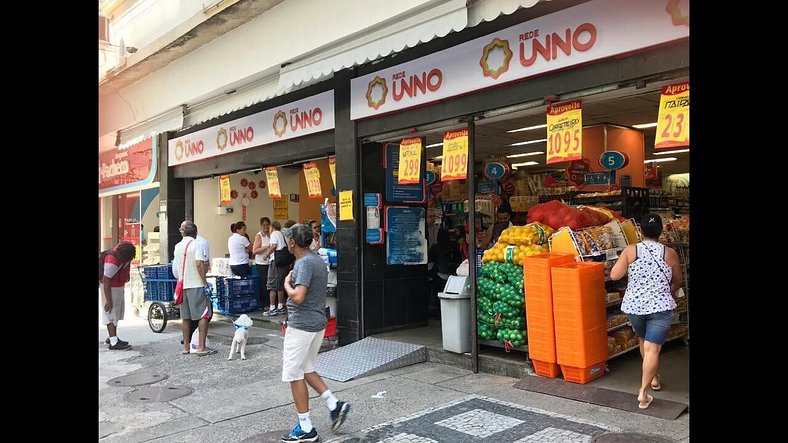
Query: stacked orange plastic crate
[
  {"x": 539, "y": 311},
  {"x": 580, "y": 326}
]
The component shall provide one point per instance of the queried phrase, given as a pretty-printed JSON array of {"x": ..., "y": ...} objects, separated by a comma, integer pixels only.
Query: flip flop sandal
[
  {"x": 207, "y": 352},
  {"x": 658, "y": 386},
  {"x": 185, "y": 352},
  {"x": 648, "y": 402}
]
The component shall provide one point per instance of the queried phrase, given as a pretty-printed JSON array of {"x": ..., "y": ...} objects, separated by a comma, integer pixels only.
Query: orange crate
[
  {"x": 583, "y": 375},
  {"x": 545, "y": 369}
]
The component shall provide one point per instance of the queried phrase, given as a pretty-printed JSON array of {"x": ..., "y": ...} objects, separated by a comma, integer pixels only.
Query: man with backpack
[{"x": 114, "y": 272}]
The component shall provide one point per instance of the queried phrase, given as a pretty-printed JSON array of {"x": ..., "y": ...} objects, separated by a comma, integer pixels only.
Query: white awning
[
  {"x": 169, "y": 121},
  {"x": 243, "y": 97},
  {"x": 434, "y": 19},
  {"x": 488, "y": 10}
]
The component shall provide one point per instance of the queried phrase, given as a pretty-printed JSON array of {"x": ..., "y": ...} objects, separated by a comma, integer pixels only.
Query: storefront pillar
[{"x": 172, "y": 204}]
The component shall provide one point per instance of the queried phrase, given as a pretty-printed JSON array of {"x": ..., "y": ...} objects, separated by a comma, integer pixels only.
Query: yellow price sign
[
  {"x": 280, "y": 209},
  {"x": 332, "y": 167},
  {"x": 224, "y": 189},
  {"x": 312, "y": 176},
  {"x": 564, "y": 132},
  {"x": 409, "y": 171},
  {"x": 273, "y": 182},
  {"x": 455, "y": 155},
  {"x": 673, "y": 121}
]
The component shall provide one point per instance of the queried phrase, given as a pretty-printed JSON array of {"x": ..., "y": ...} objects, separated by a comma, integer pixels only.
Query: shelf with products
[
  {"x": 610, "y": 357},
  {"x": 613, "y": 328},
  {"x": 634, "y": 202}
]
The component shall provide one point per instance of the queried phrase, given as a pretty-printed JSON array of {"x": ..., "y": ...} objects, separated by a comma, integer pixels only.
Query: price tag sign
[
  {"x": 564, "y": 132},
  {"x": 224, "y": 189},
  {"x": 332, "y": 166},
  {"x": 312, "y": 176},
  {"x": 409, "y": 171},
  {"x": 273, "y": 182},
  {"x": 455, "y": 155},
  {"x": 673, "y": 121}
]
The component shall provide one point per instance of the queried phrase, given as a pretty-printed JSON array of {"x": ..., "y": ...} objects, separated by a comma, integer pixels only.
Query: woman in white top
[
  {"x": 239, "y": 247},
  {"x": 262, "y": 256},
  {"x": 654, "y": 275},
  {"x": 315, "y": 226}
]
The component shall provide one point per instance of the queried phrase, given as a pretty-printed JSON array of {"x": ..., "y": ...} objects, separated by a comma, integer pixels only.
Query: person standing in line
[
  {"x": 240, "y": 247},
  {"x": 202, "y": 242},
  {"x": 262, "y": 257},
  {"x": 316, "y": 241},
  {"x": 190, "y": 259},
  {"x": 116, "y": 264},
  {"x": 306, "y": 325},
  {"x": 275, "y": 291},
  {"x": 654, "y": 276}
]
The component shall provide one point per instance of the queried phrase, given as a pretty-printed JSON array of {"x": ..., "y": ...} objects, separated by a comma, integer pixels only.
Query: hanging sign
[
  {"x": 280, "y": 209},
  {"x": 564, "y": 132},
  {"x": 495, "y": 170},
  {"x": 455, "y": 155},
  {"x": 431, "y": 177},
  {"x": 312, "y": 176},
  {"x": 224, "y": 190},
  {"x": 273, "y": 182},
  {"x": 395, "y": 192},
  {"x": 332, "y": 166},
  {"x": 576, "y": 169},
  {"x": 409, "y": 171},
  {"x": 613, "y": 160},
  {"x": 673, "y": 121}
]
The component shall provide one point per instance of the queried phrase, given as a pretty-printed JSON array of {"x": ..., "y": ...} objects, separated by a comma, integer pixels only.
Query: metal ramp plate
[{"x": 366, "y": 357}]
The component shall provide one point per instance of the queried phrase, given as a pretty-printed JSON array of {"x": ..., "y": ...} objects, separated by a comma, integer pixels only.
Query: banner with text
[
  {"x": 591, "y": 31},
  {"x": 123, "y": 170},
  {"x": 673, "y": 123},
  {"x": 409, "y": 171},
  {"x": 224, "y": 190},
  {"x": 332, "y": 166},
  {"x": 564, "y": 132},
  {"x": 296, "y": 119},
  {"x": 280, "y": 209},
  {"x": 312, "y": 177},
  {"x": 455, "y": 155},
  {"x": 273, "y": 182}
]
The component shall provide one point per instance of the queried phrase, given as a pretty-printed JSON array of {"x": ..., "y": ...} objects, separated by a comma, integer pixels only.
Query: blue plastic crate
[
  {"x": 236, "y": 305},
  {"x": 149, "y": 272},
  {"x": 235, "y": 287},
  {"x": 160, "y": 290},
  {"x": 164, "y": 272}
]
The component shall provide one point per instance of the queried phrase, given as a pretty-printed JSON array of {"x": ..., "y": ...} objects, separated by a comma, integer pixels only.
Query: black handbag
[{"x": 283, "y": 257}]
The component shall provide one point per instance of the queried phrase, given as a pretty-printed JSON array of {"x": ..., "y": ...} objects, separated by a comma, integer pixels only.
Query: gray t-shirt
[{"x": 309, "y": 316}]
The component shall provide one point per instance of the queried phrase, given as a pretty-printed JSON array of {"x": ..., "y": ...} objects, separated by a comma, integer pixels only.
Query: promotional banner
[
  {"x": 312, "y": 176},
  {"x": 332, "y": 166},
  {"x": 673, "y": 123},
  {"x": 409, "y": 171},
  {"x": 591, "y": 31},
  {"x": 395, "y": 192},
  {"x": 345, "y": 205},
  {"x": 455, "y": 155},
  {"x": 224, "y": 190},
  {"x": 296, "y": 119},
  {"x": 273, "y": 182},
  {"x": 280, "y": 209},
  {"x": 120, "y": 170},
  {"x": 564, "y": 132}
]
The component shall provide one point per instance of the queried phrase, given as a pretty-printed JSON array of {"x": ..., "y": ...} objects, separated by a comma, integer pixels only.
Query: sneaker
[
  {"x": 298, "y": 435},
  {"x": 338, "y": 415},
  {"x": 120, "y": 346},
  {"x": 281, "y": 311},
  {"x": 270, "y": 313},
  {"x": 119, "y": 341}
]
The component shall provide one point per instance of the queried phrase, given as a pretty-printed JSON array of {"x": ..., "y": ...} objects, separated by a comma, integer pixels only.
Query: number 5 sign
[
  {"x": 564, "y": 132},
  {"x": 673, "y": 120}
]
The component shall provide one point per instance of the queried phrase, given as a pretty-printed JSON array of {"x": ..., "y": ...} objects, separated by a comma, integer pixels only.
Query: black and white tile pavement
[{"x": 477, "y": 418}]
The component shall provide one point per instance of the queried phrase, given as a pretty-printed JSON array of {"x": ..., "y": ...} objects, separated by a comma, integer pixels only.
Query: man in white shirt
[
  {"x": 189, "y": 263},
  {"x": 203, "y": 243}
]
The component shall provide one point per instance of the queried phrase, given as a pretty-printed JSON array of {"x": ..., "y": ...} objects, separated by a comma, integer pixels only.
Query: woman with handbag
[
  {"x": 277, "y": 271},
  {"x": 654, "y": 276}
]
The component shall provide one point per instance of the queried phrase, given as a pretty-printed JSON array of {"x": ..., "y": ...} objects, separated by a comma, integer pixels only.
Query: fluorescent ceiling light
[
  {"x": 440, "y": 157},
  {"x": 435, "y": 145},
  {"x": 525, "y": 154},
  {"x": 529, "y": 128},
  {"x": 675, "y": 151},
  {"x": 515, "y": 165},
  {"x": 645, "y": 125},
  {"x": 529, "y": 142},
  {"x": 658, "y": 160}
]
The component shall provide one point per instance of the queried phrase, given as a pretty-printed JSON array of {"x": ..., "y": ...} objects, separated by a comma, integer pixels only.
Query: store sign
[
  {"x": 495, "y": 170},
  {"x": 273, "y": 182},
  {"x": 332, "y": 167},
  {"x": 613, "y": 160},
  {"x": 224, "y": 190},
  {"x": 280, "y": 209},
  {"x": 296, "y": 119},
  {"x": 409, "y": 171},
  {"x": 564, "y": 132},
  {"x": 312, "y": 176},
  {"x": 600, "y": 178},
  {"x": 120, "y": 170},
  {"x": 455, "y": 155},
  {"x": 431, "y": 177},
  {"x": 588, "y": 32},
  {"x": 576, "y": 170},
  {"x": 673, "y": 123}
]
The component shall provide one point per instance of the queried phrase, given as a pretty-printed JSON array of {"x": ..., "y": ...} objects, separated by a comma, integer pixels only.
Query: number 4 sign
[{"x": 673, "y": 120}]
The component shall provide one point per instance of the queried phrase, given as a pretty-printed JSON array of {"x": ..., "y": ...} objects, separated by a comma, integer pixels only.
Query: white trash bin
[{"x": 456, "y": 315}]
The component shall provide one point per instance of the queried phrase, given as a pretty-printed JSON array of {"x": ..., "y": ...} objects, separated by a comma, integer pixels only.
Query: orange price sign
[
  {"x": 273, "y": 182},
  {"x": 312, "y": 176},
  {"x": 564, "y": 132},
  {"x": 224, "y": 189},
  {"x": 673, "y": 121},
  {"x": 455, "y": 155},
  {"x": 332, "y": 167},
  {"x": 409, "y": 171}
]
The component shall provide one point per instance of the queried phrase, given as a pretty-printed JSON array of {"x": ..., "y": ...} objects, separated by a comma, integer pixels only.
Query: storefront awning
[
  {"x": 418, "y": 25},
  {"x": 244, "y": 96},
  {"x": 488, "y": 10},
  {"x": 169, "y": 121}
]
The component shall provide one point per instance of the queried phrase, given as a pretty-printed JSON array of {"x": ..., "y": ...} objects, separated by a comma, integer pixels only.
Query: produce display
[
  {"x": 500, "y": 313},
  {"x": 517, "y": 242}
]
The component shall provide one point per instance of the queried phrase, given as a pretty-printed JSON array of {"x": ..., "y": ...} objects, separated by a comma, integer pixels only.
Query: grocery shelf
[
  {"x": 612, "y": 303},
  {"x": 619, "y": 326},
  {"x": 497, "y": 344},
  {"x": 622, "y": 352}
]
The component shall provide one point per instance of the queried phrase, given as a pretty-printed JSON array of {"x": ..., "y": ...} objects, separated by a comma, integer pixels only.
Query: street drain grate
[
  {"x": 630, "y": 437},
  {"x": 152, "y": 394},
  {"x": 142, "y": 378}
]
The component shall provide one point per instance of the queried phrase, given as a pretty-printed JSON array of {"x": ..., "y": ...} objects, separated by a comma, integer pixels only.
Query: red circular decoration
[
  {"x": 252, "y": 185},
  {"x": 244, "y": 182},
  {"x": 262, "y": 184},
  {"x": 254, "y": 193},
  {"x": 233, "y": 194}
]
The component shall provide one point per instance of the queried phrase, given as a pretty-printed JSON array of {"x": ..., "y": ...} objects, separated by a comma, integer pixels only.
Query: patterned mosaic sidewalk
[{"x": 476, "y": 418}]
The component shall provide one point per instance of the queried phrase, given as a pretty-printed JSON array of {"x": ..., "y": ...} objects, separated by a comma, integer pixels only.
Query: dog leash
[{"x": 240, "y": 326}]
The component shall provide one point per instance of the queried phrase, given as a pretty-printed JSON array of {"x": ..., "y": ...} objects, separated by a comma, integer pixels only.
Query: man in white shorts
[{"x": 306, "y": 323}]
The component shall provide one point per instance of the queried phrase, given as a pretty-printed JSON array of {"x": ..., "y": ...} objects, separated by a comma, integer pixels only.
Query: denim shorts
[{"x": 652, "y": 327}]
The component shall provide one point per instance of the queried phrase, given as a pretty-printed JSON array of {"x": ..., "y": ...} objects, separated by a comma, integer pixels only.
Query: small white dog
[{"x": 241, "y": 334}]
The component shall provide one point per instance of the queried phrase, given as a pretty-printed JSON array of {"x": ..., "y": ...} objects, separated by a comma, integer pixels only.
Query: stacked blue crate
[
  {"x": 159, "y": 283},
  {"x": 233, "y": 296}
]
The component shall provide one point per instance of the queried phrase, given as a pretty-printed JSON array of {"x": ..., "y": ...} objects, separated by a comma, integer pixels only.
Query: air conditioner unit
[{"x": 103, "y": 29}]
